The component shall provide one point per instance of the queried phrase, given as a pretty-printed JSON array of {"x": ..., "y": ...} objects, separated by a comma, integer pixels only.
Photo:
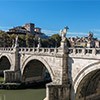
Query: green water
[{"x": 27, "y": 94}]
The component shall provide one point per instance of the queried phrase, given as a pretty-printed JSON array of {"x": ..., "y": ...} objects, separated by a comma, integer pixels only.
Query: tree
[
  {"x": 4, "y": 39},
  {"x": 29, "y": 40},
  {"x": 55, "y": 40},
  {"x": 45, "y": 42},
  {"x": 22, "y": 42}
]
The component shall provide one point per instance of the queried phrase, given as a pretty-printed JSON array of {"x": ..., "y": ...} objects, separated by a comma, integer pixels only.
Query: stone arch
[
  {"x": 5, "y": 64},
  {"x": 89, "y": 87},
  {"x": 84, "y": 72},
  {"x": 8, "y": 57},
  {"x": 42, "y": 60}
]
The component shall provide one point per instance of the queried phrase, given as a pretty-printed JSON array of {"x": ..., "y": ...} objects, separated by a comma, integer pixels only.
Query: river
[{"x": 26, "y": 94}]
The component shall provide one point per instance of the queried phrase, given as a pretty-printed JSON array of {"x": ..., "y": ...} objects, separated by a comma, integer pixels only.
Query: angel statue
[{"x": 63, "y": 33}]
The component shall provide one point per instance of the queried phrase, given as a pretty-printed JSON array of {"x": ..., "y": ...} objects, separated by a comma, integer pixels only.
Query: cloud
[
  {"x": 96, "y": 30},
  {"x": 69, "y": 34},
  {"x": 50, "y": 32},
  {"x": 72, "y": 34},
  {"x": 5, "y": 28}
]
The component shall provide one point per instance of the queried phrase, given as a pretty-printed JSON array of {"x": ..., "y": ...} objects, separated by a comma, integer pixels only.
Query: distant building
[
  {"x": 28, "y": 28},
  {"x": 18, "y": 30},
  {"x": 88, "y": 41},
  {"x": 37, "y": 29}
]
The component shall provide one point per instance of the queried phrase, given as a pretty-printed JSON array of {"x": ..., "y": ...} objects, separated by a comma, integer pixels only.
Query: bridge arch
[
  {"x": 39, "y": 60},
  {"x": 8, "y": 57},
  {"x": 87, "y": 77},
  {"x": 5, "y": 64}
]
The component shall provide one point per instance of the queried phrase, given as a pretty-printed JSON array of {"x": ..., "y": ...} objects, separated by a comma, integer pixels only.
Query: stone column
[
  {"x": 14, "y": 74},
  {"x": 17, "y": 61}
]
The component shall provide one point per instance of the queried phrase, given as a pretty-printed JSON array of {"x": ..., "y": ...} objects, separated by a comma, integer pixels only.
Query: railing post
[
  {"x": 94, "y": 51},
  {"x": 83, "y": 51},
  {"x": 48, "y": 50},
  {"x": 74, "y": 50}
]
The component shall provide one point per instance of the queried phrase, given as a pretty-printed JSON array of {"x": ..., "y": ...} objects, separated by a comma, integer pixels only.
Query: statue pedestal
[{"x": 63, "y": 44}]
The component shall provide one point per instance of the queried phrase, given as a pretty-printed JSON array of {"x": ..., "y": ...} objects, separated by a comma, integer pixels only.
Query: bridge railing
[
  {"x": 84, "y": 51},
  {"x": 35, "y": 50},
  {"x": 6, "y": 49},
  {"x": 38, "y": 50},
  {"x": 54, "y": 50}
]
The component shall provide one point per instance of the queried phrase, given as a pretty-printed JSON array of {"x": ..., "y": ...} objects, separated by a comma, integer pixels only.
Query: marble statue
[{"x": 63, "y": 33}]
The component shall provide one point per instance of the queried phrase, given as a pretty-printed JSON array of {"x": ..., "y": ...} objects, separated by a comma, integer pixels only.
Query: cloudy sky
[{"x": 81, "y": 16}]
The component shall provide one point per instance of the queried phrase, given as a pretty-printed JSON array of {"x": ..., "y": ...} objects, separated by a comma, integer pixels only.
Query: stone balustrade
[
  {"x": 6, "y": 49},
  {"x": 84, "y": 51},
  {"x": 30, "y": 50},
  {"x": 38, "y": 50}
]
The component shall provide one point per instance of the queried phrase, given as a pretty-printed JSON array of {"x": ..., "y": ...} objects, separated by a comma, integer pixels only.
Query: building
[
  {"x": 88, "y": 41},
  {"x": 28, "y": 28}
]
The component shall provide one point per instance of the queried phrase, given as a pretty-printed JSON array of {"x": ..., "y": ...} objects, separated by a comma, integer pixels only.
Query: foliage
[
  {"x": 29, "y": 40},
  {"x": 45, "y": 43},
  {"x": 55, "y": 40}
]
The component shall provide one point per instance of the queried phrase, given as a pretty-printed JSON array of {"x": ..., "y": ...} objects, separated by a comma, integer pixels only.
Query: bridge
[{"x": 73, "y": 71}]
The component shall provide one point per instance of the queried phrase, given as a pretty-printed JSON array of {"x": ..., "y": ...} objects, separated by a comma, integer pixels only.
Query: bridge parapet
[
  {"x": 6, "y": 49},
  {"x": 26, "y": 50},
  {"x": 38, "y": 50},
  {"x": 84, "y": 51},
  {"x": 30, "y": 50}
]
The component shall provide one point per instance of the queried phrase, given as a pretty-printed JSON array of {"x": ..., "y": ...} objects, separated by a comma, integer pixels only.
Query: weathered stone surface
[{"x": 63, "y": 68}]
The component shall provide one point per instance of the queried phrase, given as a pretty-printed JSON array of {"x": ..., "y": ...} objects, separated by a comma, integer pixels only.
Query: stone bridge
[
  {"x": 84, "y": 69},
  {"x": 75, "y": 72}
]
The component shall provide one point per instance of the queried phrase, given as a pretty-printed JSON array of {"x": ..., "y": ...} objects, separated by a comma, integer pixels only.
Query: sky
[{"x": 81, "y": 16}]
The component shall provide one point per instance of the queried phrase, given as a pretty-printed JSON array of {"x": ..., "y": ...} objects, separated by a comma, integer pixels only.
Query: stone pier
[
  {"x": 57, "y": 92},
  {"x": 60, "y": 90}
]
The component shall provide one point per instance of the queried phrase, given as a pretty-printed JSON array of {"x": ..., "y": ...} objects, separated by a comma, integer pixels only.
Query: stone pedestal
[
  {"x": 63, "y": 44},
  {"x": 57, "y": 92},
  {"x": 11, "y": 76}
]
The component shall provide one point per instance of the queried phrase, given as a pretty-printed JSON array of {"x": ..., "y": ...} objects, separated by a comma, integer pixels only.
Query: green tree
[
  {"x": 55, "y": 40},
  {"x": 21, "y": 39},
  {"x": 45, "y": 42},
  {"x": 29, "y": 40},
  {"x": 4, "y": 39}
]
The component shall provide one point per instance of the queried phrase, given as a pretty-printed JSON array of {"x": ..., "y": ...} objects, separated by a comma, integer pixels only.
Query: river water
[{"x": 26, "y": 94}]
